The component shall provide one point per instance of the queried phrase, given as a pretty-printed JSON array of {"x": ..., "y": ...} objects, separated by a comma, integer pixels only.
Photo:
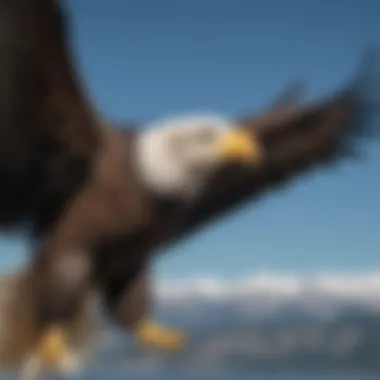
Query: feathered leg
[
  {"x": 20, "y": 331},
  {"x": 60, "y": 281},
  {"x": 131, "y": 305}
]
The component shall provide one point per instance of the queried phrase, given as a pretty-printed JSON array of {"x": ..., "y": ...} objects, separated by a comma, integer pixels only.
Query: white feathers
[{"x": 173, "y": 156}]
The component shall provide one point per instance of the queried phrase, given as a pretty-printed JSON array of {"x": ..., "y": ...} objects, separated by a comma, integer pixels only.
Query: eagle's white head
[{"x": 176, "y": 156}]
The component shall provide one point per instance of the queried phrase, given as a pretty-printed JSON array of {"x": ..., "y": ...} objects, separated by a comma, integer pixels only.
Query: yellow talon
[
  {"x": 52, "y": 349},
  {"x": 150, "y": 333},
  {"x": 51, "y": 353}
]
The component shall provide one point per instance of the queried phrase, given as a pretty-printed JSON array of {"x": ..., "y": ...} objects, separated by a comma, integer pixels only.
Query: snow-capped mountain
[{"x": 265, "y": 297}]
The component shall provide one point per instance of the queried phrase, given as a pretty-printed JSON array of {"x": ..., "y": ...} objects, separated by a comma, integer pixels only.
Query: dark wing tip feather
[
  {"x": 364, "y": 95},
  {"x": 290, "y": 97},
  {"x": 341, "y": 121}
]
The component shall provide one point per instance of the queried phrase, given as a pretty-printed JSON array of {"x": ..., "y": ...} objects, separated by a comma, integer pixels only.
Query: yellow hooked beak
[{"x": 238, "y": 145}]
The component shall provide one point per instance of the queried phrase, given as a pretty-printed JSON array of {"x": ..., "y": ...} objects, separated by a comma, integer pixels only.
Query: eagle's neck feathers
[{"x": 156, "y": 168}]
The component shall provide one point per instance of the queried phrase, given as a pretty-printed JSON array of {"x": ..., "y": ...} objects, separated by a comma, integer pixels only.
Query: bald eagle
[{"x": 99, "y": 200}]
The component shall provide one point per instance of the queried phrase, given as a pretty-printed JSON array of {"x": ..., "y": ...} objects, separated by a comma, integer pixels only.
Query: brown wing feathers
[{"x": 48, "y": 132}]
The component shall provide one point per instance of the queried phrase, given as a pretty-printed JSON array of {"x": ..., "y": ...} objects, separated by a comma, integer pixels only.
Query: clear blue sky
[{"x": 144, "y": 59}]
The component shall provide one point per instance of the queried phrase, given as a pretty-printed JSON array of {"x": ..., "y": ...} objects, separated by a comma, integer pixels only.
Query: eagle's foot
[
  {"x": 151, "y": 334},
  {"x": 52, "y": 349},
  {"x": 51, "y": 353}
]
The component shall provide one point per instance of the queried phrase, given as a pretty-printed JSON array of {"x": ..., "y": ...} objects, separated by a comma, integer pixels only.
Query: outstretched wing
[
  {"x": 48, "y": 131},
  {"x": 296, "y": 139}
]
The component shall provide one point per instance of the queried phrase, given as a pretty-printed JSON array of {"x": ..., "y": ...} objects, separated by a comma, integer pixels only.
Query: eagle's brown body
[
  {"x": 69, "y": 177},
  {"x": 108, "y": 219}
]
